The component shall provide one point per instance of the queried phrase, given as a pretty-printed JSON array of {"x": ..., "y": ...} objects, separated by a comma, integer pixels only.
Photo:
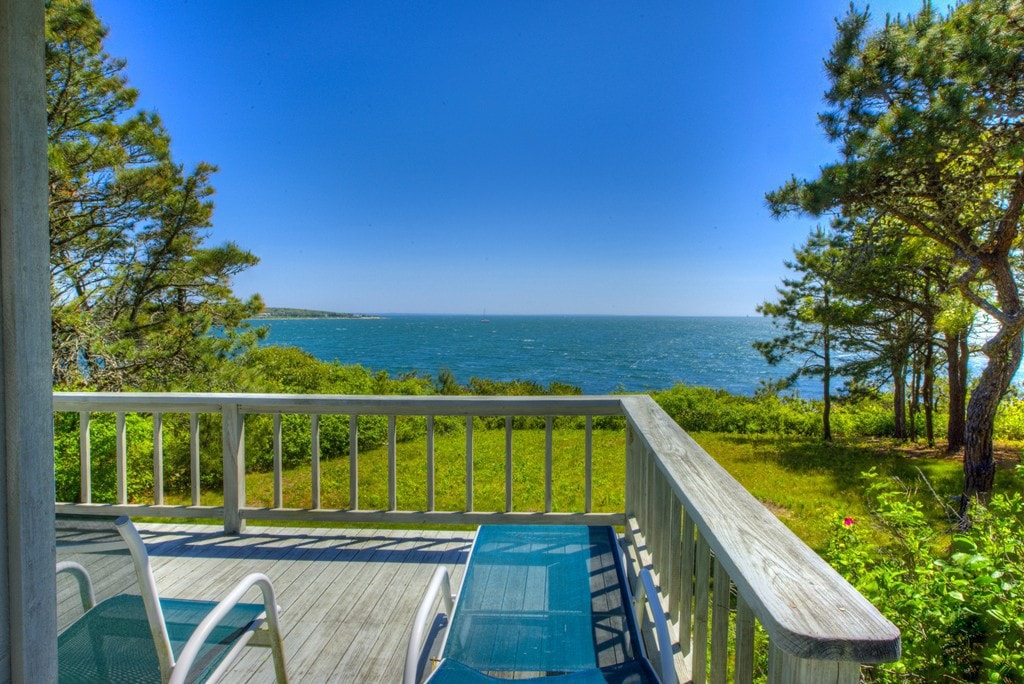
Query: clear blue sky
[{"x": 605, "y": 157}]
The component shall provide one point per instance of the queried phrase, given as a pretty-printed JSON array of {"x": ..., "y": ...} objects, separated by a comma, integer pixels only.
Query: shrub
[
  {"x": 1010, "y": 417},
  {"x": 702, "y": 409},
  {"x": 103, "y": 456},
  {"x": 957, "y": 600}
]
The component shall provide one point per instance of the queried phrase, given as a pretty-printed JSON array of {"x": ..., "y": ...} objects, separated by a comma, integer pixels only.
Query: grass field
[
  {"x": 808, "y": 484},
  {"x": 805, "y": 483}
]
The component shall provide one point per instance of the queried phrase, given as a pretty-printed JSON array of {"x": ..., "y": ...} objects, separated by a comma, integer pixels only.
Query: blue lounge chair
[
  {"x": 538, "y": 603},
  {"x": 144, "y": 638}
]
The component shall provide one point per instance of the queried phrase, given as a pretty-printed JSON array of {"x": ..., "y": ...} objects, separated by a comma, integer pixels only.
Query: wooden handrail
[
  {"x": 690, "y": 521},
  {"x": 810, "y": 612},
  {"x": 397, "y": 405}
]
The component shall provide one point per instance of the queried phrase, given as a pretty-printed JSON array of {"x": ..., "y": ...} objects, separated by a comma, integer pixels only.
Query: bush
[
  {"x": 957, "y": 600},
  {"x": 103, "y": 456},
  {"x": 702, "y": 409},
  {"x": 1010, "y": 417}
]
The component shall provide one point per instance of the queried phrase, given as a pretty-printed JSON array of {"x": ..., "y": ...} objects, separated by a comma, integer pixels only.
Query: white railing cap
[{"x": 171, "y": 402}]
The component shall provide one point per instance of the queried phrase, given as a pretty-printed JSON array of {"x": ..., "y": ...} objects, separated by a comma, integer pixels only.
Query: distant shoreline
[
  {"x": 316, "y": 318},
  {"x": 271, "y": 313}
]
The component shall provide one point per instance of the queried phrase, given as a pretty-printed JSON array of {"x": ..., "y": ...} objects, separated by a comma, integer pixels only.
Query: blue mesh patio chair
[
  {"x": 538, "y": 603},
  {"x": 144, "y": 638}
]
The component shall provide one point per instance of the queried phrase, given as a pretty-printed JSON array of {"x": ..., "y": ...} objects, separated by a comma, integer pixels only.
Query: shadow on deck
[{"x": 348, "y": 596}]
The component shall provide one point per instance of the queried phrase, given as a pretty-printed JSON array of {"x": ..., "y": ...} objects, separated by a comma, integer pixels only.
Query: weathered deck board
[{"x": 348, "y": 596}]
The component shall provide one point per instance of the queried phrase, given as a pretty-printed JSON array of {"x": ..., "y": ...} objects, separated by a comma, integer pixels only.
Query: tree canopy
[
  {"x": 927, "y": 114},
  {"x": 139, "y": 298}
]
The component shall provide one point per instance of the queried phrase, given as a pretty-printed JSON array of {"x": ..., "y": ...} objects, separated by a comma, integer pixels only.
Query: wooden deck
[{"x": 348, "y": 596}]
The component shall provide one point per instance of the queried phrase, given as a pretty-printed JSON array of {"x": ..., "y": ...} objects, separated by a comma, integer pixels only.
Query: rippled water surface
[{"x": 600, "y": 354}]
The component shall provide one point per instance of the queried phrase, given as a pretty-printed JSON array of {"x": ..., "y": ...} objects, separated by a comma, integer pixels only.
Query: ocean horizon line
[{"x": 373, "y": 314}]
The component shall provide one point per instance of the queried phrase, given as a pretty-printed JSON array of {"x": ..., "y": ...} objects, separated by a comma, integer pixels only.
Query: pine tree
[
  {"x": 810, "y": 314},
  {"x": 927, "y": 114},
  {"x": 139, "y": 299}
]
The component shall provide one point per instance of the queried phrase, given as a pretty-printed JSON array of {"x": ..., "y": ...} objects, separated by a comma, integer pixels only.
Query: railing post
[
  {"x": 353, "y": 462},
  {"x": 193, "y": 449},
  {"x": 85, "y": 458},
  {"x": 233, "y": 444},
  {"x": 469, "y": 463},
  {"x": 122, "y": 457},
  {"x": 784, "y": 668},
  {"x": 632, "y": 464},
  {"x": 278, "y": 463},
  {"x": 158, "y": 459}
]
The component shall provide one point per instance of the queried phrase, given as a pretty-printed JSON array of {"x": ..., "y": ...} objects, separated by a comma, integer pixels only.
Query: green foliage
[
  {"x": 136, "y": 292},
  {"x": 702, "y": 409},
  {"x": 450, "y": 468},
  {"x": 925, "y": 112},
  {"x": 103, "y": 450},
  {"x": 1010, "y": 418},
  {"x": 959, "y": 602},
  {"x": 290, "y": 370}
]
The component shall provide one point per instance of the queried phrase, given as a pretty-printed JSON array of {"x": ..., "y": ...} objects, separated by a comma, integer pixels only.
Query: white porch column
[{"x": 28, "y": 621}]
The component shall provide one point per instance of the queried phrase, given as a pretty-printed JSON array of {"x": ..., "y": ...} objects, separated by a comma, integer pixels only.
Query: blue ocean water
[{"x": 600, "y": 354}]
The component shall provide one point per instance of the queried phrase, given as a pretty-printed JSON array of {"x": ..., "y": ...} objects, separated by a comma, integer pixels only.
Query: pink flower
[{"x": 848, "y": 522}]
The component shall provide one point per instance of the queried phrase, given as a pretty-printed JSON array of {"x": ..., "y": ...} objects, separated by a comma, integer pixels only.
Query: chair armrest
[
  {"x": 440, "y": 585},
  {"x": 646, "y": 589},
  {"x": 217, "y": 615},
  {"x": 81, "y": 575}
]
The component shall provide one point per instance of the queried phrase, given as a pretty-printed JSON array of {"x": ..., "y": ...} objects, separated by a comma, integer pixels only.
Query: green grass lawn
[
  {"x": 805, "y": 483},
  {"x": 808, "y": 484},
  {"x": 528, "y": 449}
]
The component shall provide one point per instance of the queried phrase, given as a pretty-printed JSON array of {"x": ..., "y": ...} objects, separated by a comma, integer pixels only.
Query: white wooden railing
[{"x": 722, "y": 561}]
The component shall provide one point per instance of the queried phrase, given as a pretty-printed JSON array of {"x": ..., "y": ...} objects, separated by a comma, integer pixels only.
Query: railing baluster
[
  {"x": 674, "y": 570},
  {"x": 686, "y": 582},
  {"x": 430, "y": 463},
  {"x": 720, "y": 624},
  {"x": 743, "y": 668},
  {"x": 193, "y": 450},
  {"x": 158, "y": 459},
  {"x": 314, "y": 420},
  {"x": 649, "y": 494},
  {"x": 634, "y": 471},
  {"x": 630, "y": 483},
  {"x": 84, "y": 458},
  {"x": 651, "y": 532},
  {"x": 353, "y": 462},
  {"x": 548, "y": 462},
  {"x": 508, "y": 464},
  {"x": 233, "y": 459},
  {"x": 643, "y": 513},
  {"x": 278, "y": 464},
  {"x": 588, "y": 474},
  {"x": 663, "y": 496},
  {"x": 700, "y": 611},
  {"x": 469, "y": 463},
  {"x": 122, "y": 459},
  {"x": 392, "y": 463}
]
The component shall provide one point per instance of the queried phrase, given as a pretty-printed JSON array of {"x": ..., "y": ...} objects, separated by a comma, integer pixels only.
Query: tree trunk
[
  {"x": 915, "y": 394},
  {"x": 1004, "y": 356},
  {"x": 956, "y": 353},
  {"x": 928, "y": 393},
  {"x": 899, "y": 401},
  {"x": 826, "y": 386}
]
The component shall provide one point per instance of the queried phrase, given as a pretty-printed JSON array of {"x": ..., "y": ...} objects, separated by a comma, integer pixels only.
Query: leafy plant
[
  {"x": 957, "y": 599},
  {"x": 103, "y": 456}
]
